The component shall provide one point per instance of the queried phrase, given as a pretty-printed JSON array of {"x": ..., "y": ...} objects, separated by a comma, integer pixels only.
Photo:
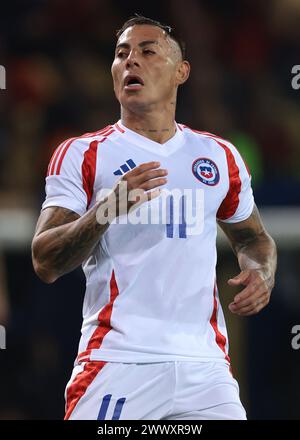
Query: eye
[
  {"x": 148, "y": 52},
  {"x": 121, "y": 54}
]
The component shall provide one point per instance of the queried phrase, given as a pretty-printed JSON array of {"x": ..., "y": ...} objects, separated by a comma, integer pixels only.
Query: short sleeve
[
  {"x": 64, "y": 181},
  {"x": 239, "y": 201}
]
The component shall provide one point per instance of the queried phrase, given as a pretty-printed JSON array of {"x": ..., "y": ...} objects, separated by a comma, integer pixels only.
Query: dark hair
[{"x": 139, "y": 19}]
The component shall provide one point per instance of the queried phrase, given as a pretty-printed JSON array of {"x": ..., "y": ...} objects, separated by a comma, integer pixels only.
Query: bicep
[
  {"x": 244, "y": 232},
  {"x": 52, "y": 217}
]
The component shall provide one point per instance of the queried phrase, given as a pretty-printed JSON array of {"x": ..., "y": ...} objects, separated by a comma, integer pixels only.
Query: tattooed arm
[
  {"x": 63, "y": 240},
  {"x": 257, "y": 257}
]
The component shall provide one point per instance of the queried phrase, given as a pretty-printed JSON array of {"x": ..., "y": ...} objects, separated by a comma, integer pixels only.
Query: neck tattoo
[{"x": 152, "y": 131}]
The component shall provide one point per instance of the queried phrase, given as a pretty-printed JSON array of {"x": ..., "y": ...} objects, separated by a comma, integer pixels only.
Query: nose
[{"x": 132, "y": 59}]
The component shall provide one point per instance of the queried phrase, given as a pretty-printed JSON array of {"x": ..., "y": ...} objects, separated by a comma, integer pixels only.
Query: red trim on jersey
[
  {"x": 80, "y": 384},
  {"x": 106, "y": 134},
  {"x": 89, "y": 170},
  {"x": 235, "y": 182},
  {"x": 53, "y": 159},
  {"x": 218, "y": 137},
  {"x": 246, "y": 166},
  {"x": 95, "y": 133},
  {"x": 63, "y": 147},
  {"x": 104, "y": 323},
  {"x": 119, "y": 128},
  {"x": 231, "y": 202},
  {"x": 205, "y": 133},
  {"x": 220, "y": 339}
]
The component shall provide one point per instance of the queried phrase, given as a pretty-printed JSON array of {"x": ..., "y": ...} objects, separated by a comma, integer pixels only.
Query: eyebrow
[{"x": 141, "y": 44}]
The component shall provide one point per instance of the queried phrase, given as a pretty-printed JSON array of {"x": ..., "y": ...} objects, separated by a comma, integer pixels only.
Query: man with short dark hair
[{"x": 137, "y": 204}]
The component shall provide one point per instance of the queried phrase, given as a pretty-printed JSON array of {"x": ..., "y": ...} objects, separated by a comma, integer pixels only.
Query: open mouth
[{"x": 133, "y": 82}]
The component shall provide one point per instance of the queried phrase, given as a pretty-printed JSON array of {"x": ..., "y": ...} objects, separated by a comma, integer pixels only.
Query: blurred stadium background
[{"x": 57, "y": 55}]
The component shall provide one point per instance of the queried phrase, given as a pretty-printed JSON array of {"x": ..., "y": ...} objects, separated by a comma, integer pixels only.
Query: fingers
[
  {"x": 153, "y": 194},
  {"x": 239, "y": 279},
  {"x": 146, "y": 177},
  {"x": 254, "y": 288},
  {"x": 154, "y": 183},
  {"x": 254, "y": 297},
  {"x": 141, "y": 179},
  {"x": 253, "y": 307},
  {"x": 144, "y": 167},
  {"x": 142, "y": 170},
  {"x": 139, "y": 185},
  {"x": 148, "y": 196},
  {"x": 250, "y": 303}
]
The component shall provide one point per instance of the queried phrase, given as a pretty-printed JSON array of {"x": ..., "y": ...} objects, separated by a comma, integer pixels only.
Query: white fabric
[
  {"x": 164, "y": 307},
  {"x": 159, "y": 391}
]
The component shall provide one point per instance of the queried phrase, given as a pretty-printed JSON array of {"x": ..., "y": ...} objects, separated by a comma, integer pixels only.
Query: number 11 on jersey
[{"x": 180, "y": 219}]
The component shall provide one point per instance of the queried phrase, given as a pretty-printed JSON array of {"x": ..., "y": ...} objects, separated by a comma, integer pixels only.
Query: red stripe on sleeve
[
  {"x": 231, "y": 202},
  {"x": 97, "y": 133},
  {"x": 106, "y": 134},
  {"x": 54, "y": 157},
  {"x": 205, "y": 133},
  {"x": 65, "y": 149},
  {"x": 89, "y": 170},
  {"x": 119, "y": 128},
  {"x": 61, "y": 150},
  {"x": 246, "y": 166}
]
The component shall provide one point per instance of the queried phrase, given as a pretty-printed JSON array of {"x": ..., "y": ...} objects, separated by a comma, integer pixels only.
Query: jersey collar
[{"x": 141, "y": 141}]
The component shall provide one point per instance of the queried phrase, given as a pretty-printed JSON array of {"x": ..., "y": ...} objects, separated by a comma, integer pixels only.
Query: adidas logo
[{"x": 127, "y": 166}]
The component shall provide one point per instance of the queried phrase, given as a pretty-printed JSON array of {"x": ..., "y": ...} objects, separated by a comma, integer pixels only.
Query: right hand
[{"x": 147, "y": 176}]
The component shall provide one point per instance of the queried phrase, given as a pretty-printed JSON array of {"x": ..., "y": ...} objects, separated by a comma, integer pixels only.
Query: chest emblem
[{"x": 206, "y": 171}]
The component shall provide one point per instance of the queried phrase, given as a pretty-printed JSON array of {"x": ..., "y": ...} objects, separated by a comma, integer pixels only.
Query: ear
[{"x": 183, "y": 72}]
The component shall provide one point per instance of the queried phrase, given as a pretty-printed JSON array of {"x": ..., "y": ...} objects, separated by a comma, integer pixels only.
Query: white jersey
[{"x": 151, "y": 292}]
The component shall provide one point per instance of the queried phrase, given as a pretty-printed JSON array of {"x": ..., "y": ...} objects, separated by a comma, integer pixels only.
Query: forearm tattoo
[{"x": 66, "y": 240}]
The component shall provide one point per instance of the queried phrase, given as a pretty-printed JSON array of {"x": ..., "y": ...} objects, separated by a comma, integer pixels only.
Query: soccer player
[{"x": 154, "y": 342}]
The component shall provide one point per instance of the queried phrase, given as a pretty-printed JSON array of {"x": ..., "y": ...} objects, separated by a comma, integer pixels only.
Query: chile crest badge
[{"x": 206, "y": 171}]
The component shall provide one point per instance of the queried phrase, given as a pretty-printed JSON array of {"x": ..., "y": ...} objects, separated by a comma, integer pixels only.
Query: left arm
[{"x": 256, "y": 253}]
